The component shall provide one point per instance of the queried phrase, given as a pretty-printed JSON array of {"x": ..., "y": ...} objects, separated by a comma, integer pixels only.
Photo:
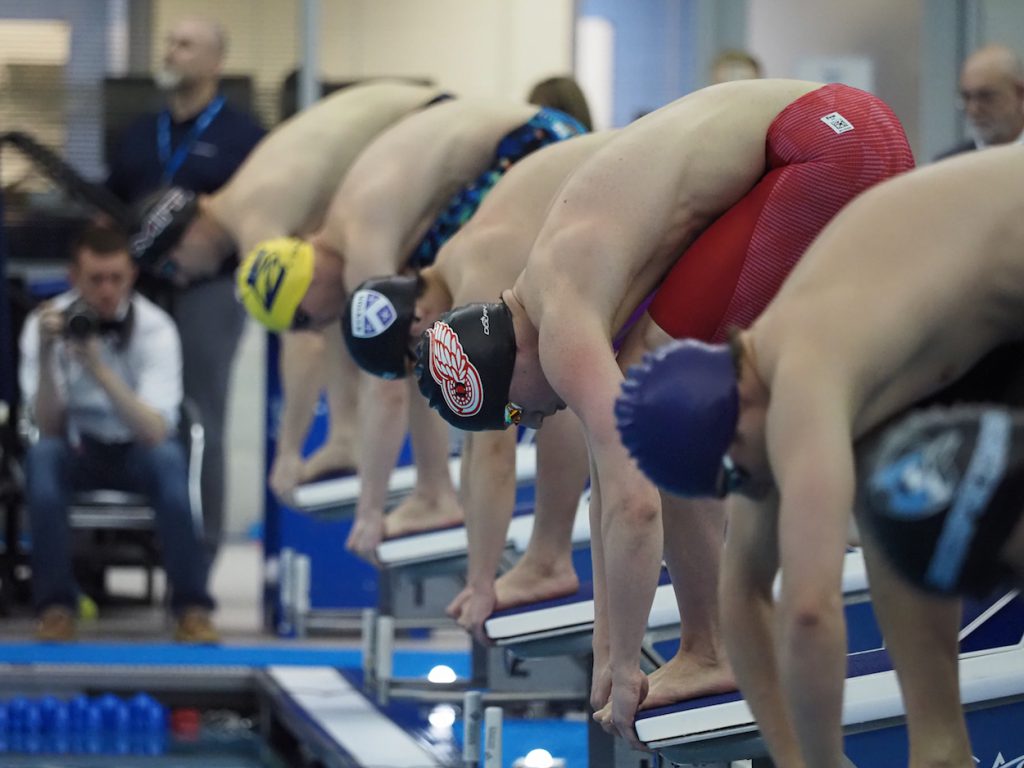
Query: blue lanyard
[{"x": 171, "y": 163}]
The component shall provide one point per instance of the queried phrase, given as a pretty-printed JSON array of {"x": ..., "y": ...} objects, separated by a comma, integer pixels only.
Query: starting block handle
[
  {"x": 472, "y": 713},
  {"x": 385, "y": 641},
  {"x": 492, "y": 737},
  {"x": 368, "y": 620}
]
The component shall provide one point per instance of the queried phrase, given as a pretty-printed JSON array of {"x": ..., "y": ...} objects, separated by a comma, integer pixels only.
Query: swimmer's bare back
[
  {"x": 916, "y": 280},
  {"x": 623, "y": 218},
  {"x": 286, "y": 183}
]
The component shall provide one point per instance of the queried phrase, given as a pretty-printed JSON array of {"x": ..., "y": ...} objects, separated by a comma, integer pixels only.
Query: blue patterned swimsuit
[{"x": 545, "y": 127}]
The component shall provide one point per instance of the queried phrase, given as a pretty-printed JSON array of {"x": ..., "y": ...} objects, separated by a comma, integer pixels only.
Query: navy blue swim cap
[{"x": 677, "y": 415}]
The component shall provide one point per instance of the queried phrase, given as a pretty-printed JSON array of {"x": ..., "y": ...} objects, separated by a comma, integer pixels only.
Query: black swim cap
[
  {"x": 464, "y": 366},
  {"x": 160, "y": 220},
  {"x": 376, "y": 324},
  {"x": 941, "y": 494}
]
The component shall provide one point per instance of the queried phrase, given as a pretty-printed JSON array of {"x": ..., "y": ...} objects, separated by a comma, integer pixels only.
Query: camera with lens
[{"x": 80, "y": 321}]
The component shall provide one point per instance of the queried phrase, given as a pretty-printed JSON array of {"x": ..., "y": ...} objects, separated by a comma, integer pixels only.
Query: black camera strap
[{"x": 120, "y": 330}]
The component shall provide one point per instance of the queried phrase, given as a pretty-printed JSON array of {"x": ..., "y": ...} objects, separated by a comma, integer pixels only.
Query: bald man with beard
[
  {"x": 992, "y": 98},
  {"x": 196, "y": 142}
]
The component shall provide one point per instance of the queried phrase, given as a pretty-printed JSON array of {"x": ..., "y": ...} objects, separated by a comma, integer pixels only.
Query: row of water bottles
[{"x": 105, "y": 724}]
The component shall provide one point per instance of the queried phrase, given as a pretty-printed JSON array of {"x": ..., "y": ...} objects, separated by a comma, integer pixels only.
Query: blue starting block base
[{"x": 721, "y": 728}]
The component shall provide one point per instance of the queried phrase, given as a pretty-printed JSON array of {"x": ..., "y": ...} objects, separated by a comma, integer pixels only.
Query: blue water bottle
[
  {"x": 16, "y": 714},
  {"x": 4, "y": 727},
  {"x": 77, "y": 709}
]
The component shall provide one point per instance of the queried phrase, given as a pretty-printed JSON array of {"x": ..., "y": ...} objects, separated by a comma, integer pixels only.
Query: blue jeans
[{"x": 55, "y": 470}]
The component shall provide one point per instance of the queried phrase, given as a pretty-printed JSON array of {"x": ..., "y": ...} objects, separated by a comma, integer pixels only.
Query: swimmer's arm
[
  {"x": 373, "y": 248},
  {"x": 562, "y": 470},
  {"x": 921, "y": 636},
  {"x": 748, "y": 570},
  {"x": 810, "y": 450},
  {"x": 341, "y": 378},
  {"x": 576, "y": 355},
  {"x": 368, "y": 222},
  {"x": 488, "y": 495},
  {"x": 601, "y": 682},
  {"x": 188, "y": 266},
  {"x": 383, "y": 407},
  {"x": 301, "y": 381}
]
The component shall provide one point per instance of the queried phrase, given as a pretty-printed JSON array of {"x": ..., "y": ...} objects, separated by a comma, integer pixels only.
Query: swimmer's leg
[
  {"x": 920, "y": 632},
  {"x": 546, "y": 571}
]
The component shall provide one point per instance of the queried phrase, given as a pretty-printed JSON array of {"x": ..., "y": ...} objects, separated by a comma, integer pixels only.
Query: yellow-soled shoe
[
  {"x": 195, "y": 626},
  {"x": 56, "y": 624}
]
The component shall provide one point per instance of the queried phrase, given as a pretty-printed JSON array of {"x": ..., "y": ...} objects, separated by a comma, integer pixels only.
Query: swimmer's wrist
[
  {"x": 481, "y": 586},
  {"x": 624, "y": 671}
]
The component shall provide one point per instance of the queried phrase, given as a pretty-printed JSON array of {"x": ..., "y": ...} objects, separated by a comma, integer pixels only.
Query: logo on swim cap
[
  {"x": 273, "y": 278},
  {"x": 160, "y": 222},
  {"x": 265, "y": 277},
  {"x": 160, "y": 217},
  {"x": 372, "y": 314},
  {"x": 921, "y": 483},
  {"x": 450, "y": 367}
]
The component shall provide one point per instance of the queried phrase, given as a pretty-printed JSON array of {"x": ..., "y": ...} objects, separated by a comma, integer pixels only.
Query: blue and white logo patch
[
  {"x": 919, "y": 483},
  {"x": 372, "y": 314}
]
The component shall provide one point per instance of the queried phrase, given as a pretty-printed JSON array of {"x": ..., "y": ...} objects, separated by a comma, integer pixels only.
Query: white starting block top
[
  {"x": 556, "y": 619},
  {"x": 453, "y": 542},
  {"x": 343, "y": 492},
  {"x": 351, "y": 723},
  {"x": 991, "y": 669}
]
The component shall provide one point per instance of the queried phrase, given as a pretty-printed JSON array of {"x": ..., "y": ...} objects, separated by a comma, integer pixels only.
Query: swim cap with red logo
[
  {"x": 464, "y": 366},
  {"x": 677, "y": 415}
]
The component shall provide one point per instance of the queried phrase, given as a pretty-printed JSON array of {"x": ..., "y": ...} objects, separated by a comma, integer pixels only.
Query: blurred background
[{"x": 73, "y": 72}]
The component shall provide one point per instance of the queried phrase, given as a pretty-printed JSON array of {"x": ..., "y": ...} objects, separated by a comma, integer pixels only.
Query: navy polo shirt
[{"x": 135, "y": 168}]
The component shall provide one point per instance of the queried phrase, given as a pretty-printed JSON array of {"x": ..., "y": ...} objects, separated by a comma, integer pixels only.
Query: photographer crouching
[{"x": 100, "y": 372}]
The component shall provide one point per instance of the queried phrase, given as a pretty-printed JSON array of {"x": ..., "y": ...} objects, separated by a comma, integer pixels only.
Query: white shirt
[{"x": 150, "y": 363}]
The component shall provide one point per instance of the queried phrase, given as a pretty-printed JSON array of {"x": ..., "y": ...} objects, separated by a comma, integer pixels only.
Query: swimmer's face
[
  {"x": 433, "y": 301},
  {"x": 748, "y": 452},
  {"x": 530, "y": 391},
  {"x": 325, "y": 297}
]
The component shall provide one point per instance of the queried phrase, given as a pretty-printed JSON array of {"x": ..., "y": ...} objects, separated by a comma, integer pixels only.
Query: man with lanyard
[{"x": 197, "y": 142}]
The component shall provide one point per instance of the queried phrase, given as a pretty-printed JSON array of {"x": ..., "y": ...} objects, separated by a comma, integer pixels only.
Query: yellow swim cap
[{"x": 273, "y": 278}]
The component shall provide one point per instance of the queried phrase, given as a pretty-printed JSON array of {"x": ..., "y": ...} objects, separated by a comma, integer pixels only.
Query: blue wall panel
[{"x": 655, "y": 52}]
